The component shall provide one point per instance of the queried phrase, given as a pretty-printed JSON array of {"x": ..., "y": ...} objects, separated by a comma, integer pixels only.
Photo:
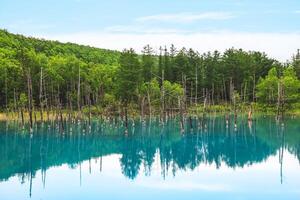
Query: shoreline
[{"x": 15, "y": 116}]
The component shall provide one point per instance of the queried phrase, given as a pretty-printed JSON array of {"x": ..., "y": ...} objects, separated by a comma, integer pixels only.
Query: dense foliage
[{"x": 42, "y": 75}]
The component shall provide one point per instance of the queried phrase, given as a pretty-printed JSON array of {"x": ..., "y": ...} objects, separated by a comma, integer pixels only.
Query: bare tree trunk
[
  {"x": 15, "y": 101},
  {"x": 89, "y": 102},
  {"x": 278, "y": 99},
  {"x": 6, "y": 99},
  {"x": 34, "y": 113},
  {"x": 203, "y": 93},
  {"x": 254, "y": 86},
  {"x": 235, "y": 110},
  {"x": 52, "y": 102},
  {"x": 191, "y": 122},
  {"x": 57, "y": 112},
  {"x": 61, "y": 116},
  {"x": 71, "y": 106},
  {"x": 245, "y": 92},
  {"x": 184, "y": 92},
  {"x": 162, "y": 107},
  {"x": 224, "y": 88},
  {"x": 204, "y": 106},
  {"x": 68, "y": 104},
  {"x": 196, "y": 86},
  {"x": 46, "y": 101},
  {"x": 149, "y": 104},
  {"x": 29, "y": 91},
  {"x": 180, "y": 102},
  {"x": 231, "y": 90},
  {"x": 142, "y": 107},
  {"x": 213, "y": 94},
  {"x": 282, "y": 101},
  {"x": 78, "y": 95},
  {"x": 250, "y": 114},
  {"x": 191, "y": 94},
  {"x": 22, "y": 116},
  {"x": 126, "y": 119},
  {"x": 41, "y": 94}
]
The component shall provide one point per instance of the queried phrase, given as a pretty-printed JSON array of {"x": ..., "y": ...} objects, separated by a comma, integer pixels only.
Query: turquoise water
[{"x": 258, "y": 160}]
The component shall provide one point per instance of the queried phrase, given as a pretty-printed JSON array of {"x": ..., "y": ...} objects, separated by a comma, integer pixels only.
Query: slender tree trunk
[
  {"x": 185, "y": 95},
  {"x": 6, "y": 98},
  {"x": 15, "y": 101},
  {"x": 231, "y": 90},
  {"x": 235, "y": 109},
  {"x": 254, "y": 86},
  {"x": 126, "y": 119},
  {"x": 57, "y": 104},
  {"x": 282, "y": 101},
  {"x": 142, "y": 107},
  {"x": 149, "y": 104},
  {"x": 191, "y": 94},
  {"x": 245, "y": 92},
  {"x": 196, "y": 86},
  {"x": 41, "y": 94},
  {"x": 52, "y": 102},
  {"x": 78, "y": 95},
  {"x": 180, "y": 102},
  {"x": 29, "y": 91},
  {"x": 34, "y": 114},
  {"x": 213, "y": 94},
  {"x": 225, "y": 91},
  {"x": 46, "y": 101},
  {"x": 22, "y": 116},
  {"x": 89, "y": 102},
  {"x": 71, "y": 106},
  {"x": 61, "y": 115},
  {"x": 204, "y": 105},
  {"x": 191, "y": 122},
  {"x": 278, "y": 99},
  {"x": 162, "y": 107}
]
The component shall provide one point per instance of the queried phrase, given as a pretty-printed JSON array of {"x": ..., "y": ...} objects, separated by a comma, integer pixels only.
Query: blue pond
[{"x": 257, "y": 160}]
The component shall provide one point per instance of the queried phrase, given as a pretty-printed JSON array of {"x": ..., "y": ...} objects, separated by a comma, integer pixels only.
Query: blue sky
[{"x": 200, "y": 24}]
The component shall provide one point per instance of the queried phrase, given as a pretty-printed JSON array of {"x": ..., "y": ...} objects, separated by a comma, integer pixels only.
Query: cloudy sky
[{"x": 272, "y": 26}]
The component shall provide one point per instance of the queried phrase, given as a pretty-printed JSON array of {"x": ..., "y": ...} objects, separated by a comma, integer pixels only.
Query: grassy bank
[{"x": 135, "y": 113}]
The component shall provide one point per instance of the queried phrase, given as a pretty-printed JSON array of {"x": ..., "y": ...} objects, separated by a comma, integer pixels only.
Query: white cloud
[
  {"x": 187, "y": 17},
  {"x": 142, "y": 30},
  {"x": 277, "y": 45},
  {"x": 27, "y": 24}
]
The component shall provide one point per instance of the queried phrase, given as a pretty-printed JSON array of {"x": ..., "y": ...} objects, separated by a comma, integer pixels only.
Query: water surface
[{"x": 258, "y": 160}]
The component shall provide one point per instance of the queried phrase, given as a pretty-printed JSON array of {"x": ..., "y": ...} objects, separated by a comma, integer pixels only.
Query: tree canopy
[{"x": 72, "y": 75}]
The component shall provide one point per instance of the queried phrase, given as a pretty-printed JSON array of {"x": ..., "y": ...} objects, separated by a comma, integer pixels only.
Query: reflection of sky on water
[
  {"x": 217, "y": 163},
  {"x": 259, "y": 181}
]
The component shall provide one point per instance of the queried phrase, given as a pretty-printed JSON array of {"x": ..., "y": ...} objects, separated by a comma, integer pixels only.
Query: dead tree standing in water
[
  {"x": 41, "y": 94},
  {"x": 78, "y": 96}
]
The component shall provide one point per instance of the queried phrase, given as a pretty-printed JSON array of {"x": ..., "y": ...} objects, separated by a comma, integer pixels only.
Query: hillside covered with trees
[{"x": 40, "y": 76}]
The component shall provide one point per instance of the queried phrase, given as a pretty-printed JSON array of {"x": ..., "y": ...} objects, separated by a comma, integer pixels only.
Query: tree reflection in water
[{"x": 22, "y": 154}]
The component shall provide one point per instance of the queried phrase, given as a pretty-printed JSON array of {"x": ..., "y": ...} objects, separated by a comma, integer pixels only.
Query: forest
[{"x": 42, "y": 79}]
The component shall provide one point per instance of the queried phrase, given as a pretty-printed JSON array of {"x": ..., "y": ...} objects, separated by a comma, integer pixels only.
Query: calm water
[{"x": 257, "y": 161}]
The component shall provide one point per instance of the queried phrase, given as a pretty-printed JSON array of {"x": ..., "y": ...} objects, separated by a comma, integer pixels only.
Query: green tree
[
  {"x": 296, "y": 63},
  {"x": 282, "y": 90},
  {"x": 148, "y": 63},
  {"x": 267, "y": 88},
  {"x": 291, "y": 86},
  {"x": 173, "y": 93},
  {"x": 129, "y": 76},
  {"x": 151, "y": 92}
]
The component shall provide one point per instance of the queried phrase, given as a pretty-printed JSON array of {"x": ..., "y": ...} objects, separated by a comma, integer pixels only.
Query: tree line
[{"x": 41, "y": 76}]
